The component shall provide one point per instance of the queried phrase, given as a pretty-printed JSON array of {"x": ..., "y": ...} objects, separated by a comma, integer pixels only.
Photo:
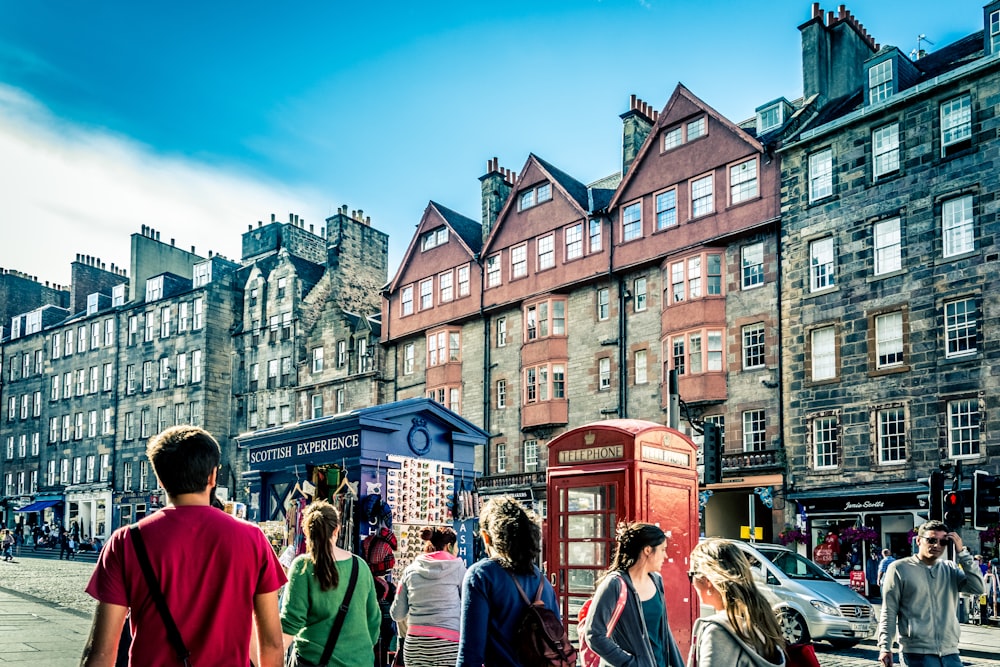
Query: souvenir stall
[
  {"x": 390, "y": 470},
  {"x": 616, "y": 471}
]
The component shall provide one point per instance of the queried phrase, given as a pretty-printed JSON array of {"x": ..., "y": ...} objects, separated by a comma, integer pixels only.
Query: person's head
[
  {"x": 185, "y": 459},
  {"x": 932, "y": 540},
  {"x": 886, "y": 553},
  {"x": 511, "y": 533},
  {"x": 438, "y": 538},
  {"x": 639, "y": 543},
  {"x": 721, "y": 574},
  {"x": 321, "y": 526}
]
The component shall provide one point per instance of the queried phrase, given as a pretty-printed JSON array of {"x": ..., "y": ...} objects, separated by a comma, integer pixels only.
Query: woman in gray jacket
[
  {"x": 429, "y": 601},
  {"x": 641, "y": 636},
  {"x": 743, "y": 632}
]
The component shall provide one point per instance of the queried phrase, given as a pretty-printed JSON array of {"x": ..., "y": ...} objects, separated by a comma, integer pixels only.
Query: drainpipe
[
  {"x": 487, "y": 380},
  {"x": 622, "y": 352}
]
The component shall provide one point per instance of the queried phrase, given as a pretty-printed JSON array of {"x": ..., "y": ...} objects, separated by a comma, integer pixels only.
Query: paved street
[{"x": 45, "y": 619}]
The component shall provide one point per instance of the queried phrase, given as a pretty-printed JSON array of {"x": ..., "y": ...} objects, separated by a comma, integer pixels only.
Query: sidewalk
[
  {"x": 977, "y": 641},
  {"x": 36, "y": 632}
]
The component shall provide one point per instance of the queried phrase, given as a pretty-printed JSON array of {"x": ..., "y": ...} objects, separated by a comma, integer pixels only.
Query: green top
[{"x": 307, "y": 612}]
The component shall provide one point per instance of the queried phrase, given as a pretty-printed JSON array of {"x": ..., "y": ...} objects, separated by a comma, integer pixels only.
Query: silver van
[{"x": 809, "y": 603}]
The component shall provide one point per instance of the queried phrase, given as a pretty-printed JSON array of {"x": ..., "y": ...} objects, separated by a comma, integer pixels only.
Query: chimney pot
[{"x": 192, "y": 250}]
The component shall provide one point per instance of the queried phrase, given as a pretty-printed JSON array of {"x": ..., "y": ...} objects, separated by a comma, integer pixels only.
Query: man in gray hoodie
[{"x": 920, "y": 599}]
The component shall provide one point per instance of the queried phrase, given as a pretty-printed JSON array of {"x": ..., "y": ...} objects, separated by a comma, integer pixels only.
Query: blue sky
[{"x": 200, "y": 118}]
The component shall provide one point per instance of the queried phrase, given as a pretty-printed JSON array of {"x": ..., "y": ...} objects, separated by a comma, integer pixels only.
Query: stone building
[{"x": 888, "y": 275}]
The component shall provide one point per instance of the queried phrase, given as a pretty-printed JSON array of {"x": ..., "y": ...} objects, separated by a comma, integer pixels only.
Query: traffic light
[
  {"x": 954, "y": 509},
  {"x": 935, "y": 495},
  {"x": 985, "y": 500},
  {"x": 712, "y": 456}
]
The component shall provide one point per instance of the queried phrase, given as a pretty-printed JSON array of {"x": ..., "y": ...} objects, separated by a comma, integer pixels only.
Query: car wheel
[{"x": 792, "y": 626}]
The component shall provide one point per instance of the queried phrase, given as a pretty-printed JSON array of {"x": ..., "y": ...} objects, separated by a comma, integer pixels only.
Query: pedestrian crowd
[{"x": 193, "y": 585}]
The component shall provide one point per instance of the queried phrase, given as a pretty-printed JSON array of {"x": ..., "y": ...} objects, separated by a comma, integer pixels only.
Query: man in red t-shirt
[{"x": 219, "y": 575}]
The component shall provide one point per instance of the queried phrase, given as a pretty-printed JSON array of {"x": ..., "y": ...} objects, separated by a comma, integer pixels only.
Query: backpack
[
  {"x": 588, "y": 658},
  {"x": 541, "y": 639}
]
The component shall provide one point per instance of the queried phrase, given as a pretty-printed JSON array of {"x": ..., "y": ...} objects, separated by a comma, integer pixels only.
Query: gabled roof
[
  {"x": 362, "y": 322},
  {"x": 571, "y": 189},
  {"x": 665, "y": 118},
  {"x": 468, "y": 232}
]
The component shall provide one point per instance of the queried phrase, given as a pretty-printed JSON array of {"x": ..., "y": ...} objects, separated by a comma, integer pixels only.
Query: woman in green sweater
[{"x": 317, "y": 584}]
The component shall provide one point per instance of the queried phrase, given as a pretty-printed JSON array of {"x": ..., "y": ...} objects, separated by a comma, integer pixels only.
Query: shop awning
[{"x": 38, "y": 506}]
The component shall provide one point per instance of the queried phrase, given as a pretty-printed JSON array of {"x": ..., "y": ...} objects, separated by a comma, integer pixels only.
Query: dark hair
[
  {"x": 632, "y": 538},
  {"x": 932, "y": 525},
  {"x": 515, "y": 533},
  {"x": 320, "y": 520},
  {"x": 183, "y": 458},
  {"x": 437, "y": 538}
]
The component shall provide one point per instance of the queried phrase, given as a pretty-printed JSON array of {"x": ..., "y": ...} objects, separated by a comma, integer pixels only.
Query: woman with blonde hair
[
  {"x": 428, "y": 599},
  {"x": 744, "y": 631},
  {"x": 640, "y": 636},
  {"x": 320, "y": 581}
]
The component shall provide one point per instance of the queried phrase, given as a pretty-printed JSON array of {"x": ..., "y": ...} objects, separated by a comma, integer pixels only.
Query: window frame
[
  {"x": 820, "y": 174},
  {"x": 830, "y": 452},
  {"x": 828, "y": 355},
  {"x": 751, "y": 274},
  {"x": 640, "y": 294},
  {"x": 881, "y": 80},
  {"x": 885, "y": 151},
  {"x": 545, "y": 252},
  {"x": 754, "y": 439},
  {"x": 666, "y": 212},
  {"x": 631, "y": 214},
  {"x": 822, "y": 269},
  {"x": 406, "y": 301},
  {"x": 885, "y": 338},
  {"x": 887, "y": 246},
  {"x": 886, "y": 442},
  {"x": 967, "y": 324},
  {"x": 519, "y": 261},
  {"x": 972, "y": 423},
  {"x": 746, "y": 192},
  {"x": 958, "y": 226},
  {"x": 753, "y": 346},
  {"x": 956, "y": 121},
  {"x": 573, "y": 242},
  {"x": 702, "y": 198}
]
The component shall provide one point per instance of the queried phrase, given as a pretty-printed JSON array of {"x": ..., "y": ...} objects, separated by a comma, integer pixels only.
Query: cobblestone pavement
[
  {"x": 58, "y": 581},
  {"x": 866, "y": 655}
]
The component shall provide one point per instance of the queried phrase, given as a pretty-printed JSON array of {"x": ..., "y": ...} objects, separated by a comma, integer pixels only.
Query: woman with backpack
[
  {"x": 638, "y": 633},
  {"x": 744, "y": 631},
  {"x": 492, "y": 606}
]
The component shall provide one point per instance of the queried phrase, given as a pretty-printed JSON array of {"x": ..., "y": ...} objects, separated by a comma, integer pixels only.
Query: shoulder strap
[
  {"x": 338, "y": 622},
  {"x": 173, "y": 634},
  {"x": 619, "y": 606}
]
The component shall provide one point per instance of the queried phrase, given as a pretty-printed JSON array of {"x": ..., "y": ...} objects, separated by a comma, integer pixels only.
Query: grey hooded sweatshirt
[
  {"x": 715, "y": 644},
  {"x": 429, "y": 598}
]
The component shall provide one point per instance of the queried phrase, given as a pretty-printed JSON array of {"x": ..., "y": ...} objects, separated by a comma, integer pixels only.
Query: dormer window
[
  {"x": 434, "y": 238},
  {"x": 533, "y": 196},
  {"x": 202, "y": 274},
  {"x": 772, "y": 115},
  {"x": 880, "y": 81},
  {"x": 154, "y": 289},
  {"x": 118, "y": 295},
  {"x": 994, "y": 31},
  {"x": 92, "y": 303}
]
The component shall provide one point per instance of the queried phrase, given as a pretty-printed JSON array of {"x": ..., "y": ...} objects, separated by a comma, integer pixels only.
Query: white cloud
[{"x": 67, "y": 189}]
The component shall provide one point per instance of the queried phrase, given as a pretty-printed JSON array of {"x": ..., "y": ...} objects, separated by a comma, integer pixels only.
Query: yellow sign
[{"x": 758, "y": 533}]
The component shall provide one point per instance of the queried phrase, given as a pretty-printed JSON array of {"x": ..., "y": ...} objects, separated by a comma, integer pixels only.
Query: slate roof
[
  {"x": 470, "y": 230},
  {"x": 576, "y": 189}
]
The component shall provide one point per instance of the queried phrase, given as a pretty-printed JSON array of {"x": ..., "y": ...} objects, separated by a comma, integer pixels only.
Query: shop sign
[
  {"x": 898, "y": 501},
  {"x": 343, "y": 444},
  {"x": 591, "y": 454}
]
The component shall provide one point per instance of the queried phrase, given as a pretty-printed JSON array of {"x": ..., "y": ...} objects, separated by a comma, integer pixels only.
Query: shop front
[
  {"x": 130, "y": 506},
  {"x": 390, "y": 469},
  {"x": 746, "y": 508},
  {"x": 847, "y": 530},
  {"x": 88, "y": 511},
  {"x": 44, "y": 510}
]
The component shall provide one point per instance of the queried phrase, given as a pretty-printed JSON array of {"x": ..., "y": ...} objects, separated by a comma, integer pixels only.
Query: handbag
[
  {"x": 338, "y": 624},
  {"x": 801, "y": 655},
  {"x": 173, "y": 634}
]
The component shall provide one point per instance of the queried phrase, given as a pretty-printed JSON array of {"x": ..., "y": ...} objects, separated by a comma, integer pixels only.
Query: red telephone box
[{"x": 612, "y": 471}]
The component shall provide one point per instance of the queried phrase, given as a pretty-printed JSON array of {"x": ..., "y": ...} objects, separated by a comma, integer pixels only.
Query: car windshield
[{"x": 796, "y": 566}]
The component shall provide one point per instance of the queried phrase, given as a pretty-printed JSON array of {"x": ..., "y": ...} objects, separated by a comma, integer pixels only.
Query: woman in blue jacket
[
  {"x": 491, "y": 605},
  {"x": 641, "y": 637}
]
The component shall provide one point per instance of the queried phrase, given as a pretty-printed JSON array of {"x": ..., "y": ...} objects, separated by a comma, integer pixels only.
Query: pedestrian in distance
[
  {"x": 64, "y": 548},
  {"x": 492, "y": 607},
  {"x": 218, "y": 575},
  {"x": 8, "y": 546},
  {"x": 883, "y": 565},
  {"x": 743, "y": 632},
  {"x": 920, "y": 599},
  {"x": 428, "y": 599},
  {"x": 320, "y": 582}
]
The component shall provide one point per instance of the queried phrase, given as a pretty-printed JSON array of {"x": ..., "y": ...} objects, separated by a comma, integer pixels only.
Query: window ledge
[
  {"x": 822, "y": 292},
  {"x": 957, "y": 258},
  {"x": 888, "y": 274}
]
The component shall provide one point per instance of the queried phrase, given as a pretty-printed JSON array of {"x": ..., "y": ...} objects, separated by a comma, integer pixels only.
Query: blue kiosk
[{"x": 415, "y": 457}]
